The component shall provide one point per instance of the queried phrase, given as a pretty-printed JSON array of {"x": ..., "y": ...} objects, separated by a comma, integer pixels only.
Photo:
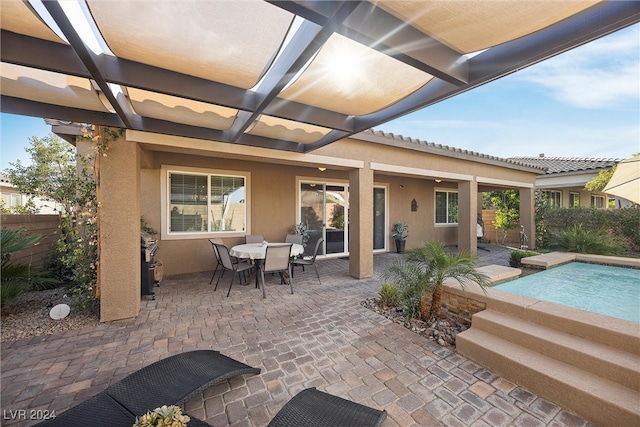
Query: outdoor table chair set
[
  {"x": 173, "y": 380},
  {"x": 262, "y": 257}
]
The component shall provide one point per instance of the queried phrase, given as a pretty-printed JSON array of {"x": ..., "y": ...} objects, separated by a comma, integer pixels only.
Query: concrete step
[
  {"x": 598, "y": 399},
  {"x": 611, "y": 363}
]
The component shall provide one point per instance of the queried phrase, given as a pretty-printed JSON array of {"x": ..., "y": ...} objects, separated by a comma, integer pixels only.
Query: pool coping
[{"x": 554, "y": 259}]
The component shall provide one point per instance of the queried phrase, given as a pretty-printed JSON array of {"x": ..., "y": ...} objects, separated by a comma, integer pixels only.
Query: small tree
[
  {"x": 598, "y": 183},
  {"x": 57, "y": 174},
  {"x": 508, "y": 213},
  {"x": 422, "y": 273}
]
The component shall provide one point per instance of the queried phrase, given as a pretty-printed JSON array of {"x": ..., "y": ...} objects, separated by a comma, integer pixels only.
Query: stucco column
[
  {"x": 468, "y": 216},
  {"x": 119, "y": 217},
  {"x": 361, "y": 223},
  {"x": 528, "y": 214}
]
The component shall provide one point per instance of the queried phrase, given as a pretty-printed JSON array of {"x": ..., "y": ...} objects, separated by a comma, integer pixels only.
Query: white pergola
[{"x": 289, "y": 75}]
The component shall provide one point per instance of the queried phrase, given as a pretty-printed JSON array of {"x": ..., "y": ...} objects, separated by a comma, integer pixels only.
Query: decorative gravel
[
  {"x": 442, "y": 331},
  {"x": 29, "y": 316}
]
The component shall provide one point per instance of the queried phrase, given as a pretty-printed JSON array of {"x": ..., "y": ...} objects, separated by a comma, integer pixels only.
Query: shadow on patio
[{"x": 321, "y": 336}]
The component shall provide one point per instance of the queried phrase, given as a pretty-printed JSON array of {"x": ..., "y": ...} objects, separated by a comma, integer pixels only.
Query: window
[
  {"x": 446, "y": 207},
  {"x": 597, "y": 202},
  {"x": 205, "y": 202},
  {"x": 12, "y": 199},
  {"x": 574, "y": 200},
  {"x": 553, "y": 199}
]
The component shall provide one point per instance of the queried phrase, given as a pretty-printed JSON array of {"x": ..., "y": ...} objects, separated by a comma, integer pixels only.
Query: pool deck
[{"x": 321, "y": 336}]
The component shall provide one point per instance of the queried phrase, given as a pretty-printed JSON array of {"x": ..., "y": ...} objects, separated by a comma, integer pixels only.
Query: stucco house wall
[{"x": 407, "y": 169}]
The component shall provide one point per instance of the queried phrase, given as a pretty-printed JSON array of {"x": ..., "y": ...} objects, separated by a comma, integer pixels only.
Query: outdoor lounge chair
[
  {"x": 314, "y": 408},
  {"x": 170, "y": 381}
]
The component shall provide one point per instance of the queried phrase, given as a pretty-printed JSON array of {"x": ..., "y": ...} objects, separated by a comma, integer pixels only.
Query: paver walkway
[{"x": 321, "y": 336}]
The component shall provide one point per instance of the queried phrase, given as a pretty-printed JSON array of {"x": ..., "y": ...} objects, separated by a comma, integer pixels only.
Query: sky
[{"x": 582, "y": 103}]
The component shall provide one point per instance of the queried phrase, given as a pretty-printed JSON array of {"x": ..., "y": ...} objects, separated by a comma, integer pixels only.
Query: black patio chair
[
  {"x": 215, "y": 242},
  {"x": 254, "y": 238},
  {"x": 301, "y": 262},
  {"x": 228, "y": 264},
  {"x": 314, "y": 408},
  {"x": 277, "y": 259}
]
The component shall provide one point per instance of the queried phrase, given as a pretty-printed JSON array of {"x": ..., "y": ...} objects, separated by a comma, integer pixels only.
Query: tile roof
[
  {"x": 568, "y": 164},
  {"x": 451, "y": 151}
]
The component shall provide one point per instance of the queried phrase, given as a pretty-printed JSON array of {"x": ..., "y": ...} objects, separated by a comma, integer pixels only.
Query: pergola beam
[
  {"x": 499, "y": 61},
  {"x": 88, "y": 58}
]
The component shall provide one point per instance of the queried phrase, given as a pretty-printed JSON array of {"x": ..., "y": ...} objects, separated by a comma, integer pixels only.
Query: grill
[{"x": 148, "y": 248}]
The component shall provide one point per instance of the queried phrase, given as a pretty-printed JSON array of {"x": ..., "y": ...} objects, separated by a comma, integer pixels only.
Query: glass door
[
  {"x": 379, "y": 219},
  {"x": 323, "y": 209}
]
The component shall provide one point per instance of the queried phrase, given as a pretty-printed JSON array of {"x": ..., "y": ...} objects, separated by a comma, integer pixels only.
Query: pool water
[{"x": 603, "y": 289}]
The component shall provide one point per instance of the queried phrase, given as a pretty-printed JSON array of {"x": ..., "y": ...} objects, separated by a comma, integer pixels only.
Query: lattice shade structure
[{"x": 289, "y": 75}]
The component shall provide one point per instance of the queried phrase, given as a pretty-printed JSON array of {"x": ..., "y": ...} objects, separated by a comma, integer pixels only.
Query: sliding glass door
[{"x": 324, "y": 210}]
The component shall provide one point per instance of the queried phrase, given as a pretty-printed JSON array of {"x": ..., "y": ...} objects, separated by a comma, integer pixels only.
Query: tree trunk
[
  {"x": 425, "y": 305},
  {"x": 436, "y": 300}
]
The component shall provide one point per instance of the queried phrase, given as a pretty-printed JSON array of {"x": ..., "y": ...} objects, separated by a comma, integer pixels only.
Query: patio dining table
[{"x": 257, "y": 252}]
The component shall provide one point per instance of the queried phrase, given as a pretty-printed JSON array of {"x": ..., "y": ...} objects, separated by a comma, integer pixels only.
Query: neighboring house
[
  {"x": 13, "y": 198},
  {"x": 566, "y": 177}
]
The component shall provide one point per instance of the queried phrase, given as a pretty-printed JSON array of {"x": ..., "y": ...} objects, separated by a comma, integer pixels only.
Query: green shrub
[
  {"x": 389, "y": 295},
  {"x": 515, "y": 259},
  {"x": 15, "y": 276},
  {"x": 585, "y": 241},
  {"x": 620, "y": 224}
]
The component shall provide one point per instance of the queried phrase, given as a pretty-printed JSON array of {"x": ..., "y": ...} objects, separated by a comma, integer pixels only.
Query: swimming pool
[{"x": 603, "y": 289}]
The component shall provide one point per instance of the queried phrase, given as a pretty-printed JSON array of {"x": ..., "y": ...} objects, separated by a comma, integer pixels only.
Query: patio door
[
  {"x": 379, "y": 219},
  {"x": 324, "y": 209}
]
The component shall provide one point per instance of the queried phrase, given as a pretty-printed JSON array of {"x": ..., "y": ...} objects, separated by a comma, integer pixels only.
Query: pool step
[
  {"x": 596, "y": 358},
  {"x": 598, "y": 399}
]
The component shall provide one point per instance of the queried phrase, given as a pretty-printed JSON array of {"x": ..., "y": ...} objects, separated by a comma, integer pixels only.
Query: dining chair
[
  {"x": 254, "y": 238},
  {"x": 294, "y": 238},
  {"x": 301, "y": 262},
  {"x": 228, "y": 264},
  {"x": 277, "y": 259},
  {"x": 217, "y": 255}
]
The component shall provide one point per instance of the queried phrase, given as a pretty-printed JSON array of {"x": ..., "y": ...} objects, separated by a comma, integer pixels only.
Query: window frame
[
  {"x": 165, "y": 202},
  {"x": 559, "y": 193},
  {"x": 573, "y": 198},
  {"x": 599, "y": 197},
  {"x": 435, "y": 207}
]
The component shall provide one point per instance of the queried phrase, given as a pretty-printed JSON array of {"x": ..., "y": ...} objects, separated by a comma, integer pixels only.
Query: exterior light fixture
[
  {"x": 322, "y": 169},
  {"x": 438, "y": 180}
]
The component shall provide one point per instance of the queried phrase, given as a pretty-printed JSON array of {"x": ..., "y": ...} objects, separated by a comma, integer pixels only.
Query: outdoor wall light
[
  {"x": 414, "y": 206},
  {"x": 401, "y": 186},
  {"x": 322, "y": 169},
  {"x": 438, "y": 181}
]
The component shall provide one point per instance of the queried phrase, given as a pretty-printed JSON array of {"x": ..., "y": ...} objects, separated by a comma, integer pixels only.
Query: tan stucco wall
[
  {"x": 133, "y": 175},
  {"x": 119, "y": 231}
]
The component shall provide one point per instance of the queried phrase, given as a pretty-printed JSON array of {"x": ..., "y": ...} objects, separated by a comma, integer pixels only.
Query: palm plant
[
  {"x": 425, "y": 269},
  {"x": 16, "y": 276},
  {"x": 585, "y": 240}
]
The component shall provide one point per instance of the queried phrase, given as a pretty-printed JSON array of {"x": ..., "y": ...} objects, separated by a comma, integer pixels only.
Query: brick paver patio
[{"x": 321, "y": 336}]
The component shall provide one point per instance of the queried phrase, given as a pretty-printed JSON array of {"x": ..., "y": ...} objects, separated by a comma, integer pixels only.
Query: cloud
[{"x": 599, "y": 75}]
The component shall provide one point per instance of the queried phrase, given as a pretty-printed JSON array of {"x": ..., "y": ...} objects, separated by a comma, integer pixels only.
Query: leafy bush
[
  {"x": 16, "y": 276},
  {"x": 389, "y": 295},
  {"x": 621, "y": 224},
  {"x": 585, "y": 241},
  {"x": 515, "y": 258}
]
